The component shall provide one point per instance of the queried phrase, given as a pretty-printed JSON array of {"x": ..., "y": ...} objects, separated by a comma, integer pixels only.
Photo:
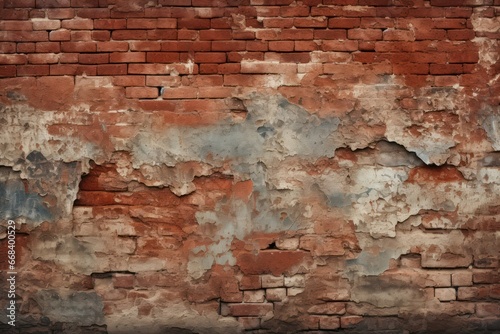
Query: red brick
[
  {"x": 162, "y": 57},
  {"x": 278, "y": 22},
  {"x": 43, "y": 58},
  {"x": 350, "y": 321},
  {"x": 52, "y": 3},
  {"x": 447, "y": 3},
  {"x": 181, "y": 3},
  {"x": 81, "y": 35},
  {"x": 7, "y": 70},
  {"x": 463, "y": 57},
  {"x": 257, "y": 46},
  {"x": 375, "y": 2},
  {"x": 228, "y": 45},
  {"x": 145, "y": 46},
  {"x": 14, "y": 59},
  {"x": 19, "y": 3},
  {"x": 93, "y": 13},
  {"x": 446, "y": 23},
  {"x": 93, "y": 58},
  {"x": 212, "y": 35},
  {"x": 365, "y": 34},
  {"x": 140, "y": 23},
  {"x": 187, "y": 46},
  {"x": 112, "y": 46},
  {"x": 250, "y": 310},
  {"x": 129, "y": 80},
  {"x": 24, "y": 36},
  {"x": 411, "y": 68},
  {"x": 141, "y": 92},
  {"x": 337, "y": 34},
  {"x": 193, "y": 23},
  {"x": 180, "y": 93},
  {"x": 111, "y": 24},
  {"x": 215, "y": 92},
  {"x": 147, "y": 69},
  {"x": 209, "y": 68},
  {"x": 16, "y": 25},
  {"x": 78, "y": 24},
  {"x": 398, "y": 35},
  {"x": 60, "y": 13},
  {"x": 296, "y": 34},
  {"x": 294, "y": 11},
  {"x": 221, "y": 23},
  {"x": 14, "y": 14},
  {"x": 458, "y": 12},
  {"x": 474, "y": 293},
  {"x": 125, "y": 281},
  {"x": 46, "y": 24},
  {"x": 343, "y": 22},
  {"x": 310, "y": 22},
  {"x": 85, "y": 3},
  {"x": 282, "y": 46},
  {"x": 60, "y": 35},
  {"x": 129, "y": 34},
  {"x": 333, "y": 45},
  {"x": 391, "y": 11},
  {"x": 441, "y": 69},
  {"x": 26, "y": 47},
  {"x": 112, "y": 69},
  {"x": 251, "y": 282},
  {"x": 269, "y": 262},
  {"x": 161, "y": 34},
  {"x": 486, "y": 277},
  {"x": 460, "y": 34},
  {"x": 187, "y": 34},
  {"x": 228, "y": 68},
  {"x": 432, "y": 34},
  {"x": 377, "y": 23},
  {"x": 484, "y": 310},
  {"x": 306, "y": 46},
  {"x": 210, "y": 57},
  {"x": 446, "y": 81},
  {"x": 166, "y": 23},
  {"x": 127, "y": 57},
  {"x": 7, "y": 47},
  {"x": 78, "y": 46},
  {"x": 240, "y": 56},
  {"x": 100, "y": 35},
  {"x": 33, "y": 70},
  {"x": 245, "y": 35},
  {"x": 329, "y": 323},
  {"x": 73, "y": 69},
  {"x": 37, "y": 14},
  {"x": 293, "y": 57},
  {"x": 68, "y": 58}
]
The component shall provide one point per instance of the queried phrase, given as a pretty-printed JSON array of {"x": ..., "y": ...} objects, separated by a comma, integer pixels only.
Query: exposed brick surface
[{"x": 263, "y": 166}]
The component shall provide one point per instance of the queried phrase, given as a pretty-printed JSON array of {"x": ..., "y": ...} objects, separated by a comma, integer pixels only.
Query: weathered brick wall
[{"x": 274, "y": 166}]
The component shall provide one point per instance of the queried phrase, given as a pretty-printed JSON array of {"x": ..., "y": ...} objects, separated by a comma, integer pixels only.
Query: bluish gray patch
[
  {"x": 16, "y": 202},
  {"x": 339, "y": 200},
  {"x": 83, "y": 308},
  {"x": 265, "y": 131}
]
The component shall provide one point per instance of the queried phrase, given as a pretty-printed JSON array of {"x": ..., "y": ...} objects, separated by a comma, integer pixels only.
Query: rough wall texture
[{"x": 271, "y": 166}]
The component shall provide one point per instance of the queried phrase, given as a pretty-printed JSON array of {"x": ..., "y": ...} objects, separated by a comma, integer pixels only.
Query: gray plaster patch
[
  {"x": 83, "y": 308},
  {"x": 16, "y": 202},
  {"x": 385, "y": 292},
  {"x": 272, "y": 130},
  {"x": 491, "y": 124}
]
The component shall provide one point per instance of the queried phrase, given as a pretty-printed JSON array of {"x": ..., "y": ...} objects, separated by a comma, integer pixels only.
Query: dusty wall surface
[{"x": 269, "y": 166}]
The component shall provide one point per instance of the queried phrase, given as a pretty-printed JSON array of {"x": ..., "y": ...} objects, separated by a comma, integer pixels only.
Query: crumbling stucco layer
[{"x": 251, "y": 166}]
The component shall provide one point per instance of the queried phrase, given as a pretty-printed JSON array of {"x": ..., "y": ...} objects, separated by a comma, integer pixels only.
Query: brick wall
[{"x": 259, "y": 166}]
